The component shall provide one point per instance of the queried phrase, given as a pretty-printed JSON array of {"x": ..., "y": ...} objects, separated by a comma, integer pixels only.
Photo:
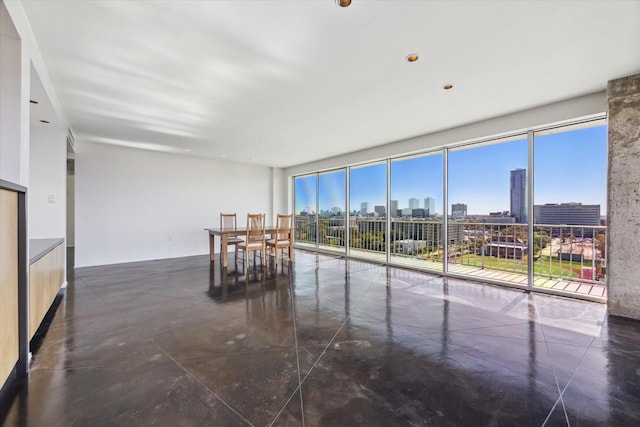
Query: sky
[{"x": 569, "y": 167}]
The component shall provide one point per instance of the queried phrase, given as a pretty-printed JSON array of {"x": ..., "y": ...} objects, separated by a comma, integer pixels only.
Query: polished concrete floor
[{"x": 326, "y": 342}]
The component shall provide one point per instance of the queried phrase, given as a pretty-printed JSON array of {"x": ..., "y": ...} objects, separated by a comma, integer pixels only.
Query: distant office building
[
  {"x": 380, "y": 210},
  {"x": 500, "y": 217},
  {"x": 414, "y": 203},
  {"x": 406, "y": 212},
  {"x": 500, "y": 220},
  {"x": 431, "y": 232},
  {"x": 430, "y": 206},
  {"x": 418, "y": 213},
  {"x": 336, "y": 210},
  {"x": 364, "y": 208},
  {"x": 519, "y": 195},
  {"x": 459, "y": 210},
  {"x": 569, "y": 214},
  {"x": 456, "y": 232},
  {"x": 393, "y": 208}
]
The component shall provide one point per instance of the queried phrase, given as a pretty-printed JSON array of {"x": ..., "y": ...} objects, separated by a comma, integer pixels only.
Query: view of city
[{"x": 487, "y": 217}]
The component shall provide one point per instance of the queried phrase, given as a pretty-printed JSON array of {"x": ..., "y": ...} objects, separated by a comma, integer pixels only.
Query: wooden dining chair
[
  {"x": 254, "y": 239},
  {"x": 228, "y": 222},
  {"x": 283, "y": 238}
]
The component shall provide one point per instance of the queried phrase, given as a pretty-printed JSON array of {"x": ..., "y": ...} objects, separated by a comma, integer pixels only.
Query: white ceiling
[{"x": 280, "y": 83}]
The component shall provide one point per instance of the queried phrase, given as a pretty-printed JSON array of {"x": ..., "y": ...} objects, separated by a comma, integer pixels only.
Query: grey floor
[{"x": 324, "y": 342}]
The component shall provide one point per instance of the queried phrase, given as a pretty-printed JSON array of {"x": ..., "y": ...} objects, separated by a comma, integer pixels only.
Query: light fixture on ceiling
[
  {"x": 343, "y": 3},
  {"x": 33, "y": 102},
  {"x": 412, "y": 57},
  {"x": 187, "y": 150},
  {"x": 45, "y": 121},
  {"x": 223, "y": 155},
  {"x": 447, "y": 86}
]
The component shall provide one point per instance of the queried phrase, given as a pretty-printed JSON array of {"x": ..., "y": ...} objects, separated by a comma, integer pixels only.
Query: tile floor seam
[
  {"x": 572, "y": 376},
  {"x": 553, "y": 349},
  {"x": 202, "y": 384},
  {"x": 295, "y": 340},
  {"x": 348, "y": 317},
  {"x": 324, "y": 350},
  {"x": 560, "y": 390},
  {"x": 546, "y": 344}
]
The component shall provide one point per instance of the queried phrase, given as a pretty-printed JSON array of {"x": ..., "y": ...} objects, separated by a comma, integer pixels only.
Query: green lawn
[{"x": 542, "y": 267}]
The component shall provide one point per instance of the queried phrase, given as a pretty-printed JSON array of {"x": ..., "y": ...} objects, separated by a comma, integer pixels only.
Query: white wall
[
  {"x": 48, "y": 174},
  {"x": 280, "y": 194},
  {"x": 11, "y": 81},
  {"x": 134, "y": 205}
]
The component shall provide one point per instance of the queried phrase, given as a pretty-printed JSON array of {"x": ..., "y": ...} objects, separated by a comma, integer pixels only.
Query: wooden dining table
[{"x": 224, "y": 235}]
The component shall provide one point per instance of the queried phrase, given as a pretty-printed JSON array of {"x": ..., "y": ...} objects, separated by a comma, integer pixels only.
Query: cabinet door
[{"x": 8, "y": 282}]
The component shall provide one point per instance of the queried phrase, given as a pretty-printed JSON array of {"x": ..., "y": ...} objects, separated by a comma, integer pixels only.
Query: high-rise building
[
  {"x": 414, "y": 203},
  {"x": 519, "y": 195},
  {"x": 568, "y": 214},
  {"x": 364, "y": 208},
  {"x": 379, "y": 209},
  {"x": 430, "y": 206},
  {"x": 459, "y": 210},
  {"x": 393, "y": 208}
]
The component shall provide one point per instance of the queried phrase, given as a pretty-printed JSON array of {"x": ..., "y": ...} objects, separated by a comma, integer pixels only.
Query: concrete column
[{"x": 623, "y": 204}]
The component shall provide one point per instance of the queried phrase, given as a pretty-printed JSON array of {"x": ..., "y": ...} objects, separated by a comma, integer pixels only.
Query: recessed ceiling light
[
  {"x": 253, "y": 160},
  {"x": 343, "y": 3},
  {"x": 45, "y": 121},
  {"x": 447, "y": 86},
  {"x": 33, "y": 102},
  {"x": 413, "y": 57},
  {"x": 187, "y": 149},
  {"x": 223, "y": 155}
]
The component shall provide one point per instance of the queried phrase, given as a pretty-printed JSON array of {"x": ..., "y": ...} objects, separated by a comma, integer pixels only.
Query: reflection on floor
[{"x": 327, "y": 341}]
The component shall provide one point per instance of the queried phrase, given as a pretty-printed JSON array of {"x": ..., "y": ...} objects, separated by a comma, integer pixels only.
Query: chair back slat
[
  {"x": 284, "y": 225},
  {"x": 255, "y": 227},
  {"x": 227, "y": 221}
]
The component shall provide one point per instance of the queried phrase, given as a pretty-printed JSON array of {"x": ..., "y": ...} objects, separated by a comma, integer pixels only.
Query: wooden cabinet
[
  {"x": 46, "y": 276},
  {"x": 9, "y": 345}
]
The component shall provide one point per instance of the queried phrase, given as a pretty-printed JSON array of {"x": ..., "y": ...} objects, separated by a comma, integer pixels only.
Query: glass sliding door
[
  {"x": 305, "y": 198},
  {"x": 415, "y": 210},
  {"x": 368, "y": 210},
  {"x": 525, "y": 210},
  {"x": 487, "y": 218},
  {"x": 332, "y": 212},
  {"x": 570, "y": 196}
]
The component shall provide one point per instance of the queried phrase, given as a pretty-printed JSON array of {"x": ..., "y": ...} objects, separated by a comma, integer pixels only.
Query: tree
[{"x": 601, "y": 242}]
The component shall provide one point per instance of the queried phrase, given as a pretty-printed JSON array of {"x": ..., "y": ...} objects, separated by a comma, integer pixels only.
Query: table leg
[
  {"x": 212, "y": 248},
  {"x": 224, "y": 254},
  {"x": 291, "y": 249}
]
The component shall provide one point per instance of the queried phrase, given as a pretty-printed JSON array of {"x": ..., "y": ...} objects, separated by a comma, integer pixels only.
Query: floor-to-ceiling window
[
  {"x": 526, "y": 210},
  {"x": 415, "y": 211},
  {"x": 305, "y": 198},
  {"x": 570, "y": 196},
  {"x": 332, "y": 212},
  {"x": 487, "y": 218},
  {"x": 368, "y": 207}
]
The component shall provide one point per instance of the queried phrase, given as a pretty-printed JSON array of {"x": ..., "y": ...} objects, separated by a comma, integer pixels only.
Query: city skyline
[{"x": 569, "y": 167}]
